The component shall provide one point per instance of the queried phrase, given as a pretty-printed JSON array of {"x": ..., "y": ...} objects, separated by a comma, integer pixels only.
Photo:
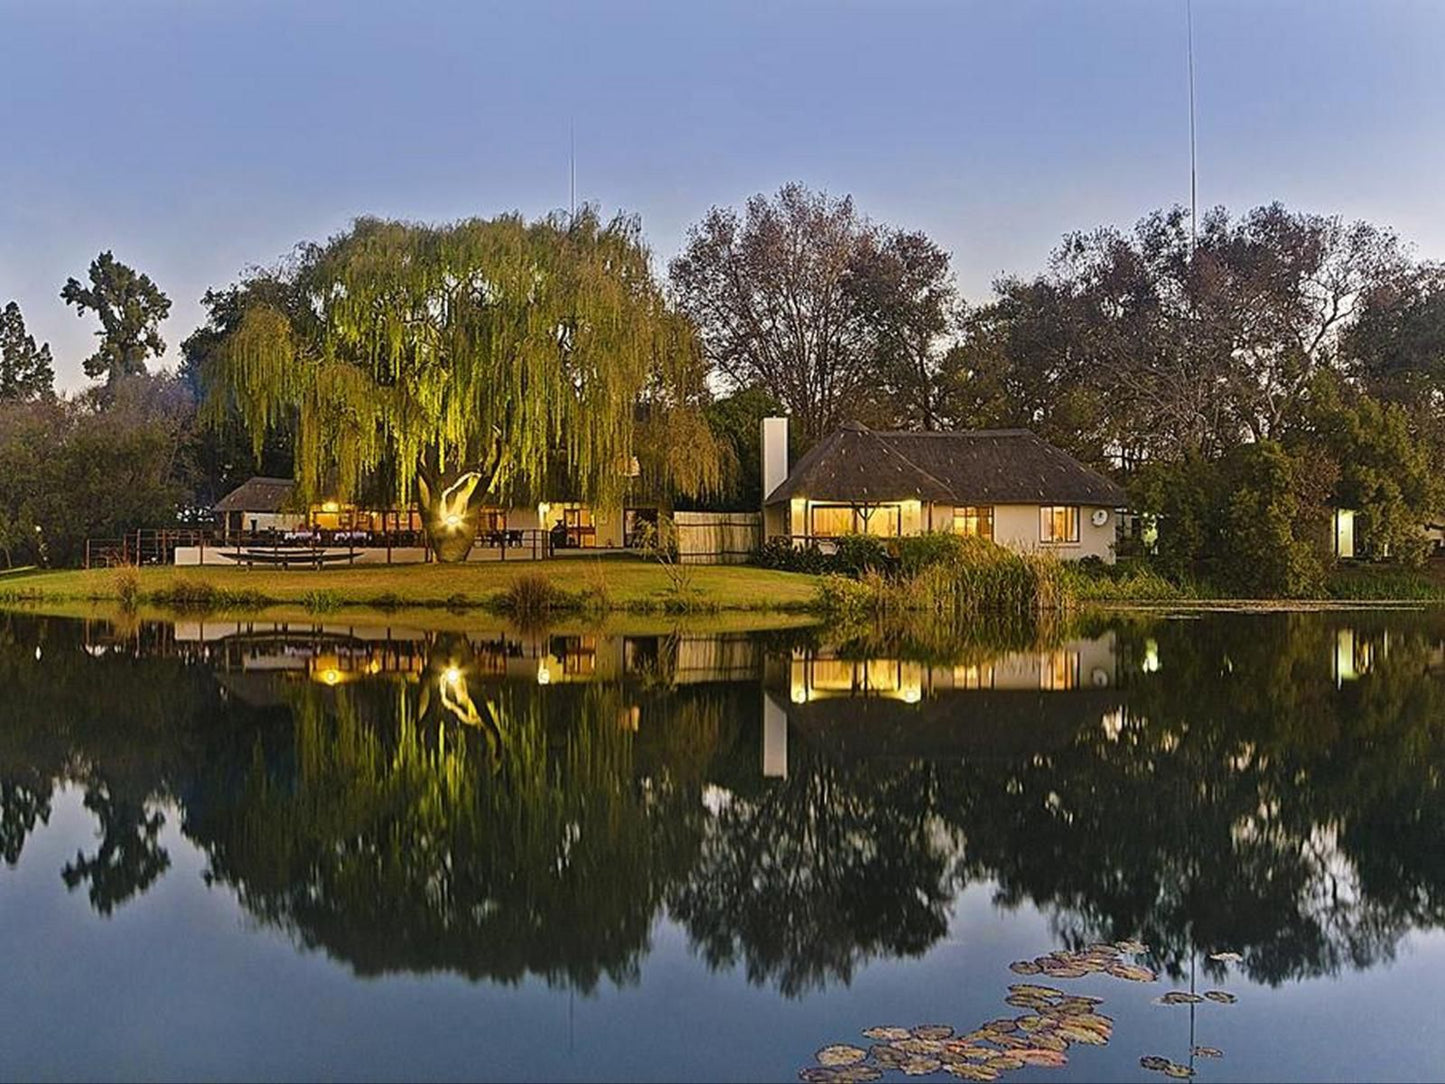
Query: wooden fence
[{"x": 717, "y": 538}]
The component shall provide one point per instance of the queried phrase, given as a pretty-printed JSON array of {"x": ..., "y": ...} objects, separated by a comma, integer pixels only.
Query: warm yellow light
[
  {"x": 331, "y": 677},
  {"x": 544, "y": 675},
  {"x": 543, "y": 509},
  {"x": 452, "y": 675},
  {"x": 454, "y": 521},
  {"x": 331, "y": 506}
]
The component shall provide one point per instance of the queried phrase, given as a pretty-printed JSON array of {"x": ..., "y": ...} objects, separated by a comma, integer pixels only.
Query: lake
[{"x": 244, "y": 850}]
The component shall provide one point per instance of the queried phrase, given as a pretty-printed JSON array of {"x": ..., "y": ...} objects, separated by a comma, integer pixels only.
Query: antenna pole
[
  {"x": 1193, "y": 168},
  {"x": 571, "y": 170}
]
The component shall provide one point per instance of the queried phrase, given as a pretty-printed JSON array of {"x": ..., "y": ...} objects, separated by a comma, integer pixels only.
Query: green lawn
[{"x": 625, "y": 583}]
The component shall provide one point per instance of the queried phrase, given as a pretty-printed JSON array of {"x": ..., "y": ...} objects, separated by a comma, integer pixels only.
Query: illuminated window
[
  {"x": 1059, "y": 523},
  {"x": 973, "y": 676},
  {"x": 975, "y": 521},
  {"x": 832, "y": 520},
  {"x": 1059, "y": 670}
]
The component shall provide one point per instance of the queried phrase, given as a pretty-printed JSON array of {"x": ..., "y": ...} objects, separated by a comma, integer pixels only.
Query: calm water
[{"x": 338, "y": 852}]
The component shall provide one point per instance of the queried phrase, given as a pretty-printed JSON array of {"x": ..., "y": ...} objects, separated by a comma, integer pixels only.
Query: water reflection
[{"x": 501, "y": 805}]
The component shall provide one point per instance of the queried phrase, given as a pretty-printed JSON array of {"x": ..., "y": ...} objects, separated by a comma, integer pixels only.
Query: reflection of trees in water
[
  {"x": 403, "y": 844},
  {"x": 1241, "y": 802},
  {"x": 1243, "y": 799},
  {"x": 808, "y": 877}
]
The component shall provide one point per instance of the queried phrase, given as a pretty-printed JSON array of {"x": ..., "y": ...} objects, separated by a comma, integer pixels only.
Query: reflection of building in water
[
  {"x": 1076, "y": 664},
  {"x": 1004, "y": 703}
]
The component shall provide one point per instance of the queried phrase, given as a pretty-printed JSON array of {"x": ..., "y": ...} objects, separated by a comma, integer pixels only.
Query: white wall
[{"x": 1017, "y": 526}]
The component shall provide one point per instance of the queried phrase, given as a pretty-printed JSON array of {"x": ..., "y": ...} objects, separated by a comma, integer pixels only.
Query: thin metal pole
[{"x": 1193, "y": 156}]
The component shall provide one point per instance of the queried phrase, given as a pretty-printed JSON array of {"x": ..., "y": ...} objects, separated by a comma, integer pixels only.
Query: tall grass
[
  {"x": 961, "y": 578},
  {"x": 531, "y": 597}
]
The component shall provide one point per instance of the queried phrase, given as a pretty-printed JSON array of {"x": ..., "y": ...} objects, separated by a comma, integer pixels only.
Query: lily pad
[
  {"x": 1024, "y": 967},
  {"x": 1132, "y": 948},
  {"x": 920, "y": 1066},
  {"x": 885, "y": 1033},
  {"x": 856, "y": 1074},
  {"x": 1226, "y": 957},
  {"x": 1132, "y": 973},
  {"x": 1177, "y": 1071},
  {"x": 1065, "y": 971},
  {"x": 840, "y": 1054},
  {"x": 1004, "y": 1062},
  {"x": 1178, "y": 997},
  {"x": 887, "y": 1056},
  {"x": 1052, "y": 1059},
  {"x": 973, "y": 1072},
  {"x": 1208, "y": 1052},
  {"x": 1224, "y": 997},
  {"x": 1155, "y": 1063},
  {"x": 1087, "y": 1036},
  {"x": 919, "y": 1048},
  {"x": 1035, "y": 991},
  {"x": 932, "y": 1031}
]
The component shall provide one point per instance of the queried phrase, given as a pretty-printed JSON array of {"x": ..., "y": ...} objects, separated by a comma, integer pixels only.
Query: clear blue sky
[{"x": 196, "y": 138}]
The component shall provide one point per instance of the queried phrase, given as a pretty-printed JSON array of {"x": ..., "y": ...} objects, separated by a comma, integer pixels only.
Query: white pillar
[
  {"x": 775, "y": 739},
  {"x": 774, "y": 454}
]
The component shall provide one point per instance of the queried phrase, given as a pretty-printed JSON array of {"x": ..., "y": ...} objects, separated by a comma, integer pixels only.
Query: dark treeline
[{"x": 1242, "y": 378}]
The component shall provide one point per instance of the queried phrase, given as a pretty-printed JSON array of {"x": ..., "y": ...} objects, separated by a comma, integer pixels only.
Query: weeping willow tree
[{"x": 486, "y": 361}]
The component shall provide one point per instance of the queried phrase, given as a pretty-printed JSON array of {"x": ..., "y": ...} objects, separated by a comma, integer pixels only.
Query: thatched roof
[
  {"x": 258, "y": 495},
  {"x": 983, "y": 466}
]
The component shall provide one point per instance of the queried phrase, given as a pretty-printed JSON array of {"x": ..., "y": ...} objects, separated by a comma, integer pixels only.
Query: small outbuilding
[
  {"x": 259, "y": 504},
  {"x": 1007, "y": 485}
]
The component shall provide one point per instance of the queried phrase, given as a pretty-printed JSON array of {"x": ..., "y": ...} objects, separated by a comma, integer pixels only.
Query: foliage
[
  {"x": 511, "y": 349},
  {"x": 531, "y": 597},
  {"x": 736, "y": 424},
  {"x": 1387, "y": 473},
  {"x": 130, "y": 308},
  {"x": 127, "y": 586},
  {"x": 768, "y": 292},
  {"x": 83, "y": 468},
  {"x": 1153, "y": 344},
  {"x": 26, "y": 371}
]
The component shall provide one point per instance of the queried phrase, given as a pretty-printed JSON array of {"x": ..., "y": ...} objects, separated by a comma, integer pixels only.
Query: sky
[{"x": 196, "y": 139}]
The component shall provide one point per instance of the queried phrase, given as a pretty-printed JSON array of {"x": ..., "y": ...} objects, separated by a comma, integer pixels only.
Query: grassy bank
[{"x": 599, "y": 585}]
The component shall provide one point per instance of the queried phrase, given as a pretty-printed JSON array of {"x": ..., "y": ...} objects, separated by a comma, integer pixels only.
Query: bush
[
  {"x": 860, "y": 553},
  {"x": 782, "y": 555},
  {"x": 322, "y": 601},
  {"x": 531, "y": 597},
  {"x": 127, "y": 586},
  {"x": 917, "y": 552}
]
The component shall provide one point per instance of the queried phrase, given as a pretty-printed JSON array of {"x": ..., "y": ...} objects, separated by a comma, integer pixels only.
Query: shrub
[
  {"x": 860, "y": 553},
  {"x": 917, "y": 552},
  {"x": 127, "y": 586},
  {"x": 321, "y": 601},
  {"x": 387, "y": 600},
  {"x": 781, "y": 554},
  {"x": 532, "y": 596}
]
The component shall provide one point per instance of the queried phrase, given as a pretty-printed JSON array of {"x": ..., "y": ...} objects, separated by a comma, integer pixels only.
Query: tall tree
[
  {"x": 25, "y": 369},
  {"x": 769, "y": 294},
  {"x": 901, "y": 283},
  {"x": 495, "y": 358},
  {"x": 130, "y": 308}
]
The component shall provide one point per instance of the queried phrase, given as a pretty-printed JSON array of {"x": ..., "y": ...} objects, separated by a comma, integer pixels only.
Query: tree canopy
[
  {"x": 130, "y": 308},
  {"x": 25, "y": 369},
  {"x": 517, "y": 350}
]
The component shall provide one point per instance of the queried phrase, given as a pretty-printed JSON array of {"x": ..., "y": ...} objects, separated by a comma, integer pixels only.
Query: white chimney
[{"x": 775, "y": 454}]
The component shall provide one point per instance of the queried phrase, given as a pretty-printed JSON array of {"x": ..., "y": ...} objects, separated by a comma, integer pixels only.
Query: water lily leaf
[
  {"x": 920, "y": 1048},
  {"x": 1155, "y": 1062},
  {"x": 1224, "y": 997},
  {"x": 856, "y": 1074},
  {"x": 1035, "y": 991},
  {"x": 1004, "y": 1062},
  {"x": 1012, "y": 1042},
  {"x": 1226, "y": 957},
  {"x": 932, "y": 1031},
  {"x": 1087, "y": 1036},
  {"x": 1133, "y": 948},
  {"x": 1178, "y": 997},
  {"x": 1066, "y": 971},
  {"x": 1002, "y": 1024},
  {"x": 974, "y": 1072},
  {"x": 921, "y": 1066},
  {"x": 815, "y": 1075},
  {"x": 840, "y": 1054},
  {"x": 1047, "y": 1040},
  {"x": 886, "y": 1033},
  {"x": 1024, "y": 967},
  {"x": 1052, "y": 1059},
  {"x": 1026, "y": 1001},
  {"x": 887, "y": 1056},
  {"x": 1177, "y": 1071},
  {"x": 1208, "y": 1052},
  {"x": 1132, "y": 973}
]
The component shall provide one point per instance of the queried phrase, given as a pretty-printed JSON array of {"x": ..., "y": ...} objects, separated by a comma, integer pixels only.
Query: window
[
  {"x": 832, "y": 520},
  {"x": 976, "y": 521},
  {"x": 1059, "y": 523},
  {"x": 1059, "y": 670}
]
